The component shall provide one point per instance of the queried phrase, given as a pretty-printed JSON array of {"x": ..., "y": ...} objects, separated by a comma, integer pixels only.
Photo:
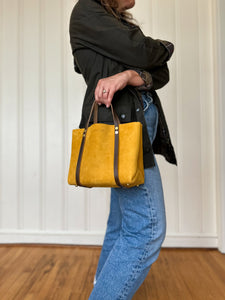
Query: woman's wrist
[{"x": 133, "y": 78}]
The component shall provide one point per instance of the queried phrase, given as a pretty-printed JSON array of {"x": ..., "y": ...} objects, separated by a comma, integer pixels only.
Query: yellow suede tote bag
[{"x": 104, "y": 155}]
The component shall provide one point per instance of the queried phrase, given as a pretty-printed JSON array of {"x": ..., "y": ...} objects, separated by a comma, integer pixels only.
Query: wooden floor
[{"x": 45, "y": 272}]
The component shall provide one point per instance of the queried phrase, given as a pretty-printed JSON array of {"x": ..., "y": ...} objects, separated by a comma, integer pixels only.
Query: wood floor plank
[
  {"x": 182, "y": 276},
  {"x": 55, "y": 272}
]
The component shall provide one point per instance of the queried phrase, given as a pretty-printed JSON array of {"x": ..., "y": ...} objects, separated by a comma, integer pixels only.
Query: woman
[{"x": 122, "y": 66}]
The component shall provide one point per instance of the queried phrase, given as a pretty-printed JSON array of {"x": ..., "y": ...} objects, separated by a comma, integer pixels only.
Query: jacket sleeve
[
  {"x": 155, "y": 79},
  {"x": 160, "y": 77},
  {"x": 146, "y": 77},
  {"x": 94, "y": 28},
  {"x": 168, "y": 46}
]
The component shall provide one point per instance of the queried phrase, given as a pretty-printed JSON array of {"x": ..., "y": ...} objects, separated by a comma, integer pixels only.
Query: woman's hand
[{"x": 107, "y": 87}]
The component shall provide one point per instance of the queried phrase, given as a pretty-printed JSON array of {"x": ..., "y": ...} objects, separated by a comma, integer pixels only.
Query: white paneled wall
[
  {"x": 219, "y": 35},
  {"x": 41, "y": 98}
]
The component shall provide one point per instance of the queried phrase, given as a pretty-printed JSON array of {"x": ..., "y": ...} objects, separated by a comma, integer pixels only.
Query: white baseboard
[
  {"x": 191, "y": 241},
  {"x": 96, "y": 238}
]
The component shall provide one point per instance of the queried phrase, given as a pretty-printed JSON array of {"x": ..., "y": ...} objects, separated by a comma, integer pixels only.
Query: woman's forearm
[
  {"x": 114, "y": 83},
  {"x": 133, "y": 78}
]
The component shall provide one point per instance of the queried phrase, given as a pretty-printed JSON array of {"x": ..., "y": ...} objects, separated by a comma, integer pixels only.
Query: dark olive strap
[
  {"x": 79, "y": 159},
  {"x": 116, "y": 156},
  {"x": 116, "y": 144},
  {"x": 95, "y": 114}
]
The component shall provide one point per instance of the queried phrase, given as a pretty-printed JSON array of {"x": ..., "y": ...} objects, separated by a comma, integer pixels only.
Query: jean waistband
[{"x": 147, "y": 99}]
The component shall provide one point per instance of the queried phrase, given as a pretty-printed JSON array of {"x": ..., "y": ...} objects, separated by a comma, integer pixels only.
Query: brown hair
[{"x": 112, "y": 7}]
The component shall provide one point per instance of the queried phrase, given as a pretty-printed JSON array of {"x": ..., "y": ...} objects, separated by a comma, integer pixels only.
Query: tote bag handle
[
  {"x": 94, "y": 107},
  {"x": 116, "y": 122}
]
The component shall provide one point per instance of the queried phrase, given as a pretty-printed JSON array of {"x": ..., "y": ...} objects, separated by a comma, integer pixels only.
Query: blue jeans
[{"x": 136, "y": 229}]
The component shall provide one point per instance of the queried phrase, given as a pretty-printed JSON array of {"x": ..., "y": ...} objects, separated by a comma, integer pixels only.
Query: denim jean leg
[
  {"x": 142, "y": 233},
  {"x": 112, "y": 231},
  {"x": 138, "y": 246},
  {"x": 154, "y": 193},
  {"x": 114, "y": 219}
]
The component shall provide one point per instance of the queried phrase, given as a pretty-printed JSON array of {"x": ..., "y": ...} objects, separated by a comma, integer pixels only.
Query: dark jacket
[{"x": 103, "y": 46}]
